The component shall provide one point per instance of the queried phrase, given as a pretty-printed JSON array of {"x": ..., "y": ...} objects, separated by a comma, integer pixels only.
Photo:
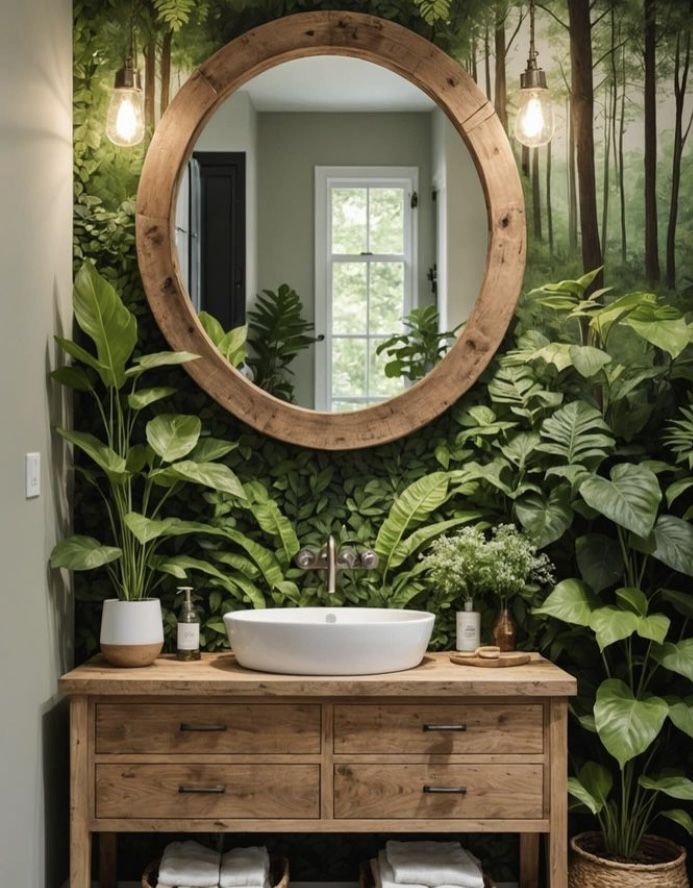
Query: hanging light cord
[{"x": 532, "y": 60}]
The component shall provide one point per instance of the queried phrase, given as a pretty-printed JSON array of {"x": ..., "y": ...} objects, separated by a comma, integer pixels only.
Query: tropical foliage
[{"x": 415, "y": 352}]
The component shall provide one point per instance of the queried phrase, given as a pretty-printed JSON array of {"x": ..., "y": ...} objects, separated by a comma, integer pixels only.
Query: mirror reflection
[{"x": 332, "y": 232}]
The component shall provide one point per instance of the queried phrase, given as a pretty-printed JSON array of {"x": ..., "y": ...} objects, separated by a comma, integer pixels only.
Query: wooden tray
[
  {"x": 279, "y": 873},
  {"x": 366, "y": 879},
  {"x": 503, "y": 661}
]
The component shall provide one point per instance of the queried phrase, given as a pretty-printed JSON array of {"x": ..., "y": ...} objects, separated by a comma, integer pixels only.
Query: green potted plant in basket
[
  {"x": 136, "y": 467},
  {"x": 503, "y": 564},
  {"x": 630, "y": 565}
]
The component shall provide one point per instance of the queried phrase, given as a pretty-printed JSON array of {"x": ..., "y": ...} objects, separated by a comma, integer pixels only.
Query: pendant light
[
  {"x": 125, "y": 117},
  {"x": 534, "y": 122}
]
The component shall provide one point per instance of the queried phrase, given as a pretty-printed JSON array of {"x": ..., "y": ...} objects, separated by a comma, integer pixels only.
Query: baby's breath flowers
[{"x": 469, "y": 563}]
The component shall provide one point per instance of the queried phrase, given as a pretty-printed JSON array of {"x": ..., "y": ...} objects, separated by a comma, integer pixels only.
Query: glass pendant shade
[
  {"x": 125, "y": 117},
  {"x": 534, "y": 123}
]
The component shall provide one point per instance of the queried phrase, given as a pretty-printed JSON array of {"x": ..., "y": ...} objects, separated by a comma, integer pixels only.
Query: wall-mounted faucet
[{"x": 332, "y": 560}]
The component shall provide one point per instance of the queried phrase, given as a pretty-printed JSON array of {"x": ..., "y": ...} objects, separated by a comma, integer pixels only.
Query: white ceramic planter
[{"x": 132, "y": 632}]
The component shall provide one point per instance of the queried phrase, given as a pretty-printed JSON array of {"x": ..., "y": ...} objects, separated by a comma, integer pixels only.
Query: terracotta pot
[
  {"x": 504, "y": 631},
  {"x": 132, "y": 632},
  {"x": 663, "y": 865}
]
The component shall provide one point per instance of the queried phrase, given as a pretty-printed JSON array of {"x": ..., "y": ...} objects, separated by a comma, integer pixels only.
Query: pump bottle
[{"x": 188, "y": 639}]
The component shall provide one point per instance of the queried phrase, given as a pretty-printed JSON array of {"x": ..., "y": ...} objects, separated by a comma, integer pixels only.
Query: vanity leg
[
  {"x": 529, "y": 860},
  {"x": 108, "y": 846},
  {"x": 558, "y": 835},
  {"x": 80, "y": 838}
]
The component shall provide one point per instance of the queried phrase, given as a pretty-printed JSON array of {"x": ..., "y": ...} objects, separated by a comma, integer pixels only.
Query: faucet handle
[
  {"x": 306, "y": 559},
  {"x": 347, "y": 559},
  {"x": 368, "y": 559}
]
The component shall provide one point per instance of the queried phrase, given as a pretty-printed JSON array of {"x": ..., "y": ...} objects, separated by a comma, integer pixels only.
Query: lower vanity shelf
[{"x": 210, "y": 747}]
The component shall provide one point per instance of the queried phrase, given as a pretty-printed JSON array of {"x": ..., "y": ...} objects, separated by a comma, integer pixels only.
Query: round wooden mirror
[{"x": 399, "y": 50}]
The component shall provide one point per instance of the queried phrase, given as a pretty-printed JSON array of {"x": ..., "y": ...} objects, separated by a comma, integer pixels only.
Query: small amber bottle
[{"x": 188, "y": 639}]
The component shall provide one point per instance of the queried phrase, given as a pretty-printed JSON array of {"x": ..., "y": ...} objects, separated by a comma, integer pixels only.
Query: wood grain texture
[
  {"x": 487, "y": 728},
  {"x": 80, "y": 838},
  {"x": 249, "y": 791},
  {"x": 363, "y": 791},
  {"x": 558, "y": 794},
  {"x": 220, "y": 675},
  {"x": 400, "y": 50},
  {"x": 208, "y": 728}
]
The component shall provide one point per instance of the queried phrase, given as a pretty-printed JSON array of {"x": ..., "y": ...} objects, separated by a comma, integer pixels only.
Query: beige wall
[
  {"x": 290, "y": 146},
  {"x": 35, "y": 259}
]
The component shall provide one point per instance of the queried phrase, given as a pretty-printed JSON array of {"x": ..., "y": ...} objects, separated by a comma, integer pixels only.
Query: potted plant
[
  {"x": 470, "y": 563},
  {"x": 618, "y": 602},
  {"x": 136, "y": 468}
]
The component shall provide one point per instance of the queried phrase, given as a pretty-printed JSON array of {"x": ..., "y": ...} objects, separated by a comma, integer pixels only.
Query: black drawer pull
[
  {"x": 445, "y": 727},
  {"x": 219, "y": 789},
  {"x": 458, "y": 790},
  {"x": 187, "y": 726}
]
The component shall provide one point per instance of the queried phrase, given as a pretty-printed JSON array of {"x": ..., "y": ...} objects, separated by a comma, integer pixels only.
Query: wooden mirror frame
[{"x": 419, "y": 61}]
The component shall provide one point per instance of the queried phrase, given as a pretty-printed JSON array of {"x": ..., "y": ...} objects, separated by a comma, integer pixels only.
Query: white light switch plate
[{"x": 33, "y": 475}]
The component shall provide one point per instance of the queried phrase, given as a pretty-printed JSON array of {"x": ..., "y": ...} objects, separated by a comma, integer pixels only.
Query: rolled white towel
[
  {"x": 245, "y": 868},
  {"x": 189, "y": 864},
  {"x": 432, "y": 864}
]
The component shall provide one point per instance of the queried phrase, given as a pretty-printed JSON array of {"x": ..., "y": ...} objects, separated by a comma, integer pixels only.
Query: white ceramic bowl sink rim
[{"x": 329, "y": 640}]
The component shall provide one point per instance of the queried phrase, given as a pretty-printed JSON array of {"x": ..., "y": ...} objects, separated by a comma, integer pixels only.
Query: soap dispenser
[
  {"x": 468, "y": 627},
  {"x": 188, "y": 639}
]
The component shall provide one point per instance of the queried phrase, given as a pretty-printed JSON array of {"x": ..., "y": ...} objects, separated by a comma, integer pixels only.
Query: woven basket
[
  {"x": 589, "y": 870},
  {"x": 279, "y": 873},
  {"x": 366, "y": 878}
]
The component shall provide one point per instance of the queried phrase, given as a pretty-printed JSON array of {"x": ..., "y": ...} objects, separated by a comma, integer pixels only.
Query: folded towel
[
  {"x": 189, "y": 864},
  {"x": 245, "y": 868},
  {"x": 432, "y": 864}
]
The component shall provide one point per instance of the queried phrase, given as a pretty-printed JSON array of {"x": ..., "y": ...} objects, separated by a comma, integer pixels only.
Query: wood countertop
[{"x": 219, "y": 675}]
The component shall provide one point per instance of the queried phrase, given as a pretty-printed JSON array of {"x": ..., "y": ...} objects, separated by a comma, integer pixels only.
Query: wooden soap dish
[{"x": 491, "y": 658}]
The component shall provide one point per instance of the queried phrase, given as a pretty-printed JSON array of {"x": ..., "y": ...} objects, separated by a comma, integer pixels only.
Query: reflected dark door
[{"x": 217, "y": 229}]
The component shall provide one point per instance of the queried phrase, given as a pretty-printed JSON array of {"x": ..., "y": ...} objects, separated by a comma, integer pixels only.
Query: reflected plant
[
  {"x": 415, "y": 353},
  {"x": 277, "y": 333}
]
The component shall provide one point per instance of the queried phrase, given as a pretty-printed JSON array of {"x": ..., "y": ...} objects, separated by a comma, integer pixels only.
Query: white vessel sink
[{"x": 329, "y": 641}]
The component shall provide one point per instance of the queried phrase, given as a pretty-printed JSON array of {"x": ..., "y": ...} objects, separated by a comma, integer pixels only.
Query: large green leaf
[
  {"x": 173, "y": 435},
  {"x": 147, "y": 529},
  {"x": 265, "y": 560},
  {"x": 215, "y": 475},
  {"x": 159, "y": 359},
  {"x": 577, "y": 434},
  {"x": 411, "y": 544},
  {"x": 682, "y": 602},
  {"x": 145, "y": 397},
  {"x": 674, "y": 785},
  {"x": 654, "y": 627},
  {"x": 611, "y": 624},
  {"x": 674, "y": 543},
  {"x": 681, "y": 714},
  {"x": 413, "y": 506},
  {"x": 592, "y": 786},
  {"x": 73, "y": 377},
  {"x": 626, "y": 725},
  {"x": 588, "y": 361},
  {"x": 600, "y": 561},
  {"x": 678, "y": 815},
  {"x": 83, "y": 553},
  {"x": 100, "y": 313},
  {"x": 677, "y": 657},
  {"x": 209, "y": 449},
  {"x": 80, "y": 354},
  {"x": 545, "y": 519},
  {"x": 630, "y": 498},
  {"x": 672, "y": 335},
  {"x": 270, "y": 518},
  {"x": 105, "y": 458},
  {"x": 633, "y": 598},
  {"x": 571, "y": 602}
]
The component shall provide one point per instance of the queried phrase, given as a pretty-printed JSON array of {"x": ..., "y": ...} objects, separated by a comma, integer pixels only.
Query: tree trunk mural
[
  {"x": 500, "y": 97},
  {"x": 582, "y": 92},
  {"x": 150, "y": 85},
  {"x": 536, "y": 195},
  {"x": 682, "y": 62},
  {"x": 165, "y": 71},
  {"x": 651, "y": 235},
  {"x": 549, "y": 208}
]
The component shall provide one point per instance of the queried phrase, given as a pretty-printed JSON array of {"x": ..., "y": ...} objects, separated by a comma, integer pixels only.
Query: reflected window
[{"x": 365, "y": 247}]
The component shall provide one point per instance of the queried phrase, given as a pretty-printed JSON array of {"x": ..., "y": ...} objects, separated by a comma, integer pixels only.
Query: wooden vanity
[{"x": 210, "y": 747}]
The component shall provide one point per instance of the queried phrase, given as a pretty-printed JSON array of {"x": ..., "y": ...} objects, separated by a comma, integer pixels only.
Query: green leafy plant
[
  {"x": 231, "y": 344},
  {"x": 139, "y": 467},
  {"x": 471, "y": 563},
  {"x": 415, "y": 353},
  {"x": 277, "y": 333}
]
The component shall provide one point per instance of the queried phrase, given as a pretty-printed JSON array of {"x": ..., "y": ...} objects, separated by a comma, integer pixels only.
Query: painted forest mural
[{"x": 612, "y": 190}]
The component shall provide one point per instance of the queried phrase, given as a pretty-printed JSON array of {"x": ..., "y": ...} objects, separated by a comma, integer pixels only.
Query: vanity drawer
[
  {"x": 208, "y": 791},
  {"x": 475, "y": 728},
  {"x": 241, "y": 728},
  {"x": 438, "y": 792}
]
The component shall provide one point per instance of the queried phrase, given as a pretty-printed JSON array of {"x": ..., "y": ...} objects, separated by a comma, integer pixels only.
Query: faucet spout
[{"x": 331, "y": 565}]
